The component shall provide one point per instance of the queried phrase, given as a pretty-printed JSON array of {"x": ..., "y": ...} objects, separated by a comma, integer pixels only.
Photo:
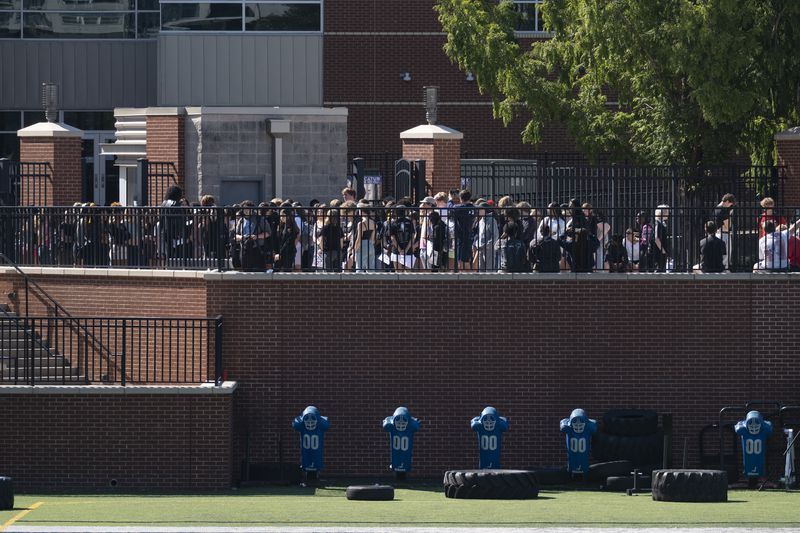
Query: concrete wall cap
[
  {"x": 130, "y": 112},
  {"x": 276, "y": 111},
  {"x": 50, "y": 129},
  {"x": 227, "y": 387},
  {"x": 790, "y": 134},
  {"x": 165, "y": 111},
  {"x": 435, "y": 131}
]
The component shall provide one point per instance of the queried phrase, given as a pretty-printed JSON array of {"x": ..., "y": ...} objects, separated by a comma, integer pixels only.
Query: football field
[{"x": 419, "y": 505}]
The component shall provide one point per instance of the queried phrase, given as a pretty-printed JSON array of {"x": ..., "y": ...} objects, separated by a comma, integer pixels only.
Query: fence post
[
  {"x": 141, "y": 175},
  {"x": 124, "y": 353},
  {"x": 29, "y": 350},
  {"x": 218, "y": 351},
  {"x": 5, "y": 182},
  {"x": 493, "y": 175}
]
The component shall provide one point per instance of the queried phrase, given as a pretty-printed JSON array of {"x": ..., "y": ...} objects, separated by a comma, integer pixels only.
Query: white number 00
[
  {"x": 311, "y": 442},
  {"x": 577, "y": 445}
]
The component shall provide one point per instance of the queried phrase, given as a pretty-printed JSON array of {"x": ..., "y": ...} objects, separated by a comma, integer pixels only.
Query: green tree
[{"x": 659, "y": 81}]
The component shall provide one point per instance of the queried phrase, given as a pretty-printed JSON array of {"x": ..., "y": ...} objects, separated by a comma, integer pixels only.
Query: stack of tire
[
  {"x": 491, "y": 484},
  {"x": 628, "y": 439}
]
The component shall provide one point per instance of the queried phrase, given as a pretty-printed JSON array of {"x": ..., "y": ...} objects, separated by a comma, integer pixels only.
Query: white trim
[
  {"x": 50, "y": 129},
  {"x": 205, "y": 389},
  {"x": 431, "y": 131},
  {"x": 163, "y": 111},
  {"x": 268, "y": 111},
  {"x": 792, "y": 134}
]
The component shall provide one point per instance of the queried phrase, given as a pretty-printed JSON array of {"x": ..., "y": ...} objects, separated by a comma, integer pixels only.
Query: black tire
[
  {"x": 630, "y": 422},
  {"x": 6, "y": 494},
  {"x": 491, "y": 484},
  {"x": 600, "y": 471},
  {"x": 623, "y": 483},
  {"x": 690, "y": 486},
  {"x": 551, "y": 476},
  {"x": 373, "y": 493}
]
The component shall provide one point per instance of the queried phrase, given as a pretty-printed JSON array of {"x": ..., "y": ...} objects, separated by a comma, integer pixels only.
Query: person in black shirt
[
  {"x": 545, "y": 254},
  {"x": 288, "y": 234},
  {"x": 712, "y": 250},
  {"x": 616, "y": 255},
  {"x": 722, "y": 219}
]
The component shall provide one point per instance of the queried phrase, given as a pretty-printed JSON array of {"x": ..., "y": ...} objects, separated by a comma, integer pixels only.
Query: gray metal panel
[
  {"x": 239, "y": 70},
  {"x": 93, "y": 75}
]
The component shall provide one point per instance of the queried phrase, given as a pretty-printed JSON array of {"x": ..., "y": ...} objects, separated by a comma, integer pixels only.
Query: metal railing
[
  {"x": 67, "y": 350},
  {"x": 468, "y": 238},
  {"x": 25, "y": 183},
  {"x": 538, "y": 181}
]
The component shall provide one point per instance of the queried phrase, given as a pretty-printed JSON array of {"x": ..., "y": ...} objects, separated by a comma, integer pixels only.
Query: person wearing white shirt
[{"x": 773, "y": 248}]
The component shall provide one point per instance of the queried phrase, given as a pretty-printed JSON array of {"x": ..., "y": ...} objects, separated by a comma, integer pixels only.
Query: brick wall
[
  {"x": 150, "y": 442},
  {"x": 165, "y": 143},
  {"x": 442, "y": 161},
  {"x": 63, "y": 186},
  {"x": 535, "y": 348}
]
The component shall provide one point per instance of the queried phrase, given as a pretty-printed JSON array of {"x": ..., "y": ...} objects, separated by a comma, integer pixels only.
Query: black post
[
  {"x": 29, "y": 351},
  {"x": 141, "y": 175},
  {"x": 124, "y": 342},
  {"x": 6, "y": 196},
  {"x": 218, "y": 351}
]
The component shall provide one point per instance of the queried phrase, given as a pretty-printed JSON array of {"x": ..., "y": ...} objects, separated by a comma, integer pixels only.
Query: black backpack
[
  {"x": 516, "y": 255},
  {"x": 404, "y": 232}
]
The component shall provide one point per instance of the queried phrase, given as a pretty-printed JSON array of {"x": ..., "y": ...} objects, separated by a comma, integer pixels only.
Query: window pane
[
  {"x": 90, "y": 120},
  {"x": 33, "y": 117},
  {"x": 79, "y": 25},
  {"x": 149, "y": 25},
  {"x": 10, "y": 4},
  {"x": 201, "y": 17},
  {"x": 148, "y": 5},
  {"x": 73, "y": 5},
  {"x": 9, "y": 25},
  {"x": 527, "y": 17},
  {"x": 282, "y": 17},
  {"x": 9, "y": 146},
  {"x": 9, "y": 120}
]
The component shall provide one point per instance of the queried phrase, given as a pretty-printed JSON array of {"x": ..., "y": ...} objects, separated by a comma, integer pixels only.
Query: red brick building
[{"x": 370, "y": 46}]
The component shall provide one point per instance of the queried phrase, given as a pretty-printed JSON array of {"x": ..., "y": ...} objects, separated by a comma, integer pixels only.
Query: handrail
[{"x": 73, "y": 321}]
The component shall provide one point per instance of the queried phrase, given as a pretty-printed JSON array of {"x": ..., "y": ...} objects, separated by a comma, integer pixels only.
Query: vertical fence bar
[
  {"x": 124, "y": 350},
  {"x": 218, "y": 351}
]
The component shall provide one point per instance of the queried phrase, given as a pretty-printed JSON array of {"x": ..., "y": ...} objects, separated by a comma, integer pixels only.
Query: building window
[
  {"x": 239, "y": 16},
  {"x": 530, "y": 16},
  {"x": 71, "y": 19}
]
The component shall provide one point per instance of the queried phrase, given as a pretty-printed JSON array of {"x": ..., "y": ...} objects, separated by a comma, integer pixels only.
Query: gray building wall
[
  {"x": 93, "y": 75},
  {"x": 239, "y": 70},
  {"x": 223, "y": 148}
]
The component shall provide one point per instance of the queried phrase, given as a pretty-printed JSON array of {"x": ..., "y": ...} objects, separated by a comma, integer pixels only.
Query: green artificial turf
[{"x": 417, "y": 506}]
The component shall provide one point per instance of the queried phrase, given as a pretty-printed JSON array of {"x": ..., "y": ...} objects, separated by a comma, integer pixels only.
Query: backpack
[
  {"x": 403, "y": 233},
  {"x": 515, "y": 255}
]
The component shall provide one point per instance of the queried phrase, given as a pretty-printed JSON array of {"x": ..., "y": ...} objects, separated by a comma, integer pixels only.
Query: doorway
[{"x": 100, "y": 176}]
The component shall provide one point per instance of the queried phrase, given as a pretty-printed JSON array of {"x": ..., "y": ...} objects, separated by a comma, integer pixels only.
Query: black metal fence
[
  {"x": 467, "y": 238},
  {"x": 380, "y": 164},
  {"x": 81, "y": 350},
  {"x": 155, "y": 177},
  {"x": 539, "y": 182},
  {"x": 25, "y": 183}
]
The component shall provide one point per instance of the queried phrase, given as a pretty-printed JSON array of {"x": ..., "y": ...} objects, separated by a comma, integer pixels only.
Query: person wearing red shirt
[{"x": 768, "y": 204}]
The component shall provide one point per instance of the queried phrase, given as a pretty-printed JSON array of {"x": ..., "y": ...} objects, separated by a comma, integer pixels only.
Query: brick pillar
[
  {"x": 58, "y": 181},
  {"x": 440, "y": 147},
  {"x": 789, "y": 156},
  {"x": 165, "y": 144}
]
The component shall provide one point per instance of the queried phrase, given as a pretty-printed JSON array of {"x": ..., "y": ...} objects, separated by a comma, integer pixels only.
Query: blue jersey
[
  {"x": 754, "y": 433},
  {"x": 578, "y": 431},
  {"x": 489, "y": 428},
  {"x": 312, "y": 427},
  {"x": 401, "y": 428}
]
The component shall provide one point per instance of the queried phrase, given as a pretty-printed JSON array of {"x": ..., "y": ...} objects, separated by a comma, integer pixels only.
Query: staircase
[{"x": 24, "y": 354}]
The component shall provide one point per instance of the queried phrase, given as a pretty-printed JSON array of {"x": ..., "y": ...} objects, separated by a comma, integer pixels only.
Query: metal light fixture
[
  {"x": 470, "y": 76},
  {"x": 50, "y": 101},
  {"x": 405, "y": 76}
]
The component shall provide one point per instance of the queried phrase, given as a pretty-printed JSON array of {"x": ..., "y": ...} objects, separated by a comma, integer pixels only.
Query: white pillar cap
[
  {"x": 50, "y": 129},
  {"x": 789, "y": 135},
  {"x": 432, "y": 131}
]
